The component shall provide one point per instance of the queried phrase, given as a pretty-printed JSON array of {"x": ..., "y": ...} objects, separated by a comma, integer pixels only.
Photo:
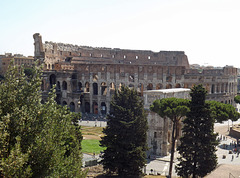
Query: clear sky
[{"x": 207, "y": 30}]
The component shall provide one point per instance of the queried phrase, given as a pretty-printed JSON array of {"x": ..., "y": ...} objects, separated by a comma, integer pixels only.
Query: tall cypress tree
[
  {"x": 125, "y": 135},
  {"x": 198, "y": 144}
]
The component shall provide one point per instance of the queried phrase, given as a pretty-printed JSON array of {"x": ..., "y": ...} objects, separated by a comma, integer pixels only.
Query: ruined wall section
[
  {"x": 58, "y": 52},
  {"x": 38, "y": 47},
  {"x": 107, "y": 68}
]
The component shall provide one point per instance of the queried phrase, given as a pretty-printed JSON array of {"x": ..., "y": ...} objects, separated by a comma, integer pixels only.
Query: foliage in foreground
[
  {"x": 125, "y": 135},
  {"x": 36, "y": 140},
  {"x": 198, "y": 144}
]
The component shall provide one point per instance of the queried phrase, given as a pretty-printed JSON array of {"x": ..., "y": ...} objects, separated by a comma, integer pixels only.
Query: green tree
[
  {"x": 125, "y": 135},
  {"x": 36, "y": 140},
  {"x": 174, "y": 109},
  {"x": 198, "y": 144},
  {"x": 29, "y": 71},
  {"x": 222, "y": 112},
  {"x": 237, "y": 99}
]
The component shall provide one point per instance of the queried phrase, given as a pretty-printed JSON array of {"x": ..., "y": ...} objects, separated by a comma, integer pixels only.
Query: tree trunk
[{"x": 173, "y": 147}]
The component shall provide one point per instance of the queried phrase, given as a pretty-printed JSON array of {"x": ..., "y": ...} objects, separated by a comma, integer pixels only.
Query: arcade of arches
[{"x": 95, "y": 95}]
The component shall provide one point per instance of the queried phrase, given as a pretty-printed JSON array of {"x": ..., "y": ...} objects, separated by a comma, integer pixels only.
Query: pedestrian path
[{"x": 228, "y": 151}]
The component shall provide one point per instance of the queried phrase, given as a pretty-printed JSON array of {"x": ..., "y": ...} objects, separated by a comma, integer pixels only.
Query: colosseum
[{"x": 86, "y": 77}]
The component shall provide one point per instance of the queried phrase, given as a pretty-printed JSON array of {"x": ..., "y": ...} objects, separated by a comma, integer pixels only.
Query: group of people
[{"x": 233, "y": 146}]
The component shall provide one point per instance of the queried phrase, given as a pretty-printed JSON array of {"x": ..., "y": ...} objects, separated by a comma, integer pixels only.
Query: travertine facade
[
  {"x": 160, "y": 129},
  {"x": 92, "y": 74}
]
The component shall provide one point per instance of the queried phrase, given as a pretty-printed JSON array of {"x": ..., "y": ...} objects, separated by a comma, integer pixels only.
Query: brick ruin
[
  {"x": 91, "y": 74},
  {"x": 86, "y": 77}
]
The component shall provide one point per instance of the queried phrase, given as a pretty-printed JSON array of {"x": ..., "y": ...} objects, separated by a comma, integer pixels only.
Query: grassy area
[
  {"x": 91, "y": 138},
  {"x": 96, "y": 132},
  {"x": 91, "y": 146}
]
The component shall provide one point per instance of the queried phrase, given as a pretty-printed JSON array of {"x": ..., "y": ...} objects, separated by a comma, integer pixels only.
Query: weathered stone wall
[{"x": 99, "y": 71}]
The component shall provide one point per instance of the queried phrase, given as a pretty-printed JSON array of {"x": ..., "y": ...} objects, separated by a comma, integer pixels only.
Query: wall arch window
[
  {"x": 64, "y": 85},
  {"x": 95, "y": 108},
  {"x": 213, "y": 89},
  {"x": 79, "y": 86},
  {"x": 222, "y": 88},
  {"x": 52, "y": 79},
  {"x": 95, "y": 89},
  {"x": 168, "y": 86},
  {"x": 103, "y": 108},
  {"x": 150, "y": 86},
  {"x": 178, "y": 85},
  {"x": 87, "y": 87},
  {"x": 58, "y": 86},
  {"x": 103, "y": 88},
  {"x": 159, "y": 86},
  {"x": 226, "y": 88},
  {"x": 112, "y": 88}
]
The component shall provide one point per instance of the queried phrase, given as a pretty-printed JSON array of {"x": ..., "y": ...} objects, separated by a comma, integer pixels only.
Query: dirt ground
[{"x": 86, "y": 137}]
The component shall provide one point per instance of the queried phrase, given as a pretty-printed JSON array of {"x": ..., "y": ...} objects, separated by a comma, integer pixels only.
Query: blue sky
[{"x": 207, "y": 30}]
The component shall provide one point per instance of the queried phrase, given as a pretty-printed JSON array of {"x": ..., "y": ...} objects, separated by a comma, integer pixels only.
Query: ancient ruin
[
  {"x": 86, "y": 77},
  {"x": 91, "y": 74},
  {"x": 160, "y": 129}
]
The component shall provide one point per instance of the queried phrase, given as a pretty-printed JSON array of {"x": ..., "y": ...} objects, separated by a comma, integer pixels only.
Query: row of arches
[
  {"x": 86, "y": 107},
  {"x": 222, "y": 88},
  {"x": 49, "y": 66},
  {"x": 217, "y": 88},
  {"x": 103, "y": 87}
]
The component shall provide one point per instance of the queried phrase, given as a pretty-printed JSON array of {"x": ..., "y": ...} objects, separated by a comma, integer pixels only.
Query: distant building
[
  {"x": 160, "y": 129},
  {"x": 18, "y": 60}
]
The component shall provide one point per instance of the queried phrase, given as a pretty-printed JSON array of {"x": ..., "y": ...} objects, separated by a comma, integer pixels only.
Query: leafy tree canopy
[
  {"x": 222, "y": 112},
  {"x": 36, "y": 140},
  {"x": 170, "y": 107},
  {"x": 237, "y": 99}
]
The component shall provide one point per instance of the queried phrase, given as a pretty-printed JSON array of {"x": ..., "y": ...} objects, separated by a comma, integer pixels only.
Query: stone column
[
  {"x": 99, "y": 104},
  {"x": 165, "y": 137}
]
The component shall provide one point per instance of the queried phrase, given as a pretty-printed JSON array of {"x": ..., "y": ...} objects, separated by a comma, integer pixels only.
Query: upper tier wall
[{"x": 59, "y": 52}]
